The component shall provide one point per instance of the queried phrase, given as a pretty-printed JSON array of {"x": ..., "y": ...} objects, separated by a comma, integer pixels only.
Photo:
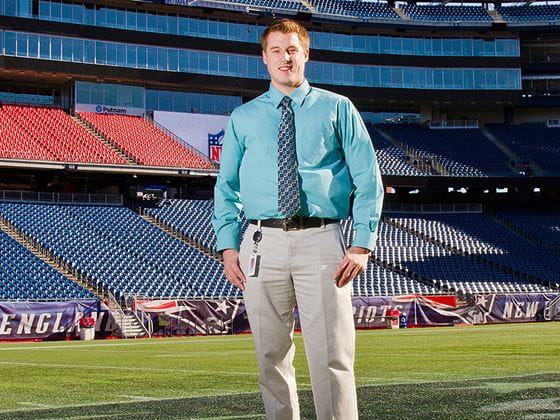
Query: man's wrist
[{"x": 359, "y": 250}]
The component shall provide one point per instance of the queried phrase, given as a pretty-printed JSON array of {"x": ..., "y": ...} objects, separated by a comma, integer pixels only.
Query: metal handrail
[{"x": 61, "y": 198}]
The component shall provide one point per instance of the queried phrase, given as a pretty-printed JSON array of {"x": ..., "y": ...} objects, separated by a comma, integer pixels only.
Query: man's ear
[
  {"x": 306, "y": 52},
  {"x": 264, "y": 57}
]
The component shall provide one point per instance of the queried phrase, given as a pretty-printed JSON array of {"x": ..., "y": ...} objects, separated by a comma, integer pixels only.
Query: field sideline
[{"x": 495, "y": 371}]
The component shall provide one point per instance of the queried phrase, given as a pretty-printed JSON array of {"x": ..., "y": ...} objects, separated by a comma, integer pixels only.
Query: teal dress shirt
[{"x": 336, "y": 164}]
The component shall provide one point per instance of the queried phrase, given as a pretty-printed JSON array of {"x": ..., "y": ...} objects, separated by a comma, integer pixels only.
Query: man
[{"x": 293, "y": 159}]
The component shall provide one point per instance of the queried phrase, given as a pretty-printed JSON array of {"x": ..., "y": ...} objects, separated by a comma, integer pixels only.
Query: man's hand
[
  {"x": 231, "y": 268},
  {"x": 352, "y": 265}
]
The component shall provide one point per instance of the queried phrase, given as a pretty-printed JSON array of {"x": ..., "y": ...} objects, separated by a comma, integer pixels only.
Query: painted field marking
[
  {"x": 139, "y": 342},
  {"x": 124, "y": 402},
  {"x": 105, "y": 367},
  {"x": 245, "y": 416}
]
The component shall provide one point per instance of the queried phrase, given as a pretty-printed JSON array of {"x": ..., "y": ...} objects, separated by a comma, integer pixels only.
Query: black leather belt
[{"x": 295, "y": 223}]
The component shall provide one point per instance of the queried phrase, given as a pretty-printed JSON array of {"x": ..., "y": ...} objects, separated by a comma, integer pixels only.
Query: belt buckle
[{"x": 292, "y": 223}]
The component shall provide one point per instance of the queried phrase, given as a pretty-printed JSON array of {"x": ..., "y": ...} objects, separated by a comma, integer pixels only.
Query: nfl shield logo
[{"x": 215, "y": 142}]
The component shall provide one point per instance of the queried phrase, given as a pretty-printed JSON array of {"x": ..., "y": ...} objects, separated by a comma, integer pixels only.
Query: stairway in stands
[
  {"x": 181, "y": 236},
  {"x": 104, "y": 139},
  {"x": 128, "y": 325},
  {"x": 431, "y": 166}
]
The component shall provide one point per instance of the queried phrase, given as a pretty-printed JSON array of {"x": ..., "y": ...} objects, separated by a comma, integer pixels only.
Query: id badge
[{"x": 254, "y": 263}]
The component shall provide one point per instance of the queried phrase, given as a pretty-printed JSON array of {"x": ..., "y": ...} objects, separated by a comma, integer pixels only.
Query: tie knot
[{"x": 285, "y": 102}]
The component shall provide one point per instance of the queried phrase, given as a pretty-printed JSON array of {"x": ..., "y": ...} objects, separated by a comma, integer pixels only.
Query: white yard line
[
  {"x": 139, "y": 342},
  {"x": 105, "y": 367}
]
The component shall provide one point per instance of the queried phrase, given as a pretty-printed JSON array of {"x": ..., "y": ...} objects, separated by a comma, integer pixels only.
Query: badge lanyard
[{"x": 255, "y": 259}]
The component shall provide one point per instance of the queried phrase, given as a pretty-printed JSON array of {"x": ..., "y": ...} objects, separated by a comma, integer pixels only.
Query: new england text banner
[{"x": 50, "y": 320}]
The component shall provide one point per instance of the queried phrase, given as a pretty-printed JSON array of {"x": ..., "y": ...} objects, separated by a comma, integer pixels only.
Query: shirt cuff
[
  {"x": 229, "y": 242},
  {"x": 364, "y": 239}
]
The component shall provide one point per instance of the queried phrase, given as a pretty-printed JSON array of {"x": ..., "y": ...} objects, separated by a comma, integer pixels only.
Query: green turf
[{"x": 501, "y": 371}]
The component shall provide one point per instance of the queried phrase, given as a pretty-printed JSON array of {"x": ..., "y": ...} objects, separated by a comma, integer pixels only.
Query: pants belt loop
[
  {"x": 323, "y": 224},
  {"x": 259, "y": 222}
]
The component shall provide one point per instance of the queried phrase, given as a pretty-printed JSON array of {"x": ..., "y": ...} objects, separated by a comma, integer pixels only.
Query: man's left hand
[{"x": 353, "y": 264}]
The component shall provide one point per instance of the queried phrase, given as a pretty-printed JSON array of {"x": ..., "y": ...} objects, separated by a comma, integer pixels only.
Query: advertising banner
[
  {"x": 516, "y": 308},
  {"x": 230, "y": 317},
  {"x": 106, "y": 109},
  {"x": 51, "y": 320},
  {"x": 204, "y": 132},
  {"x": 193, "y": 317}
]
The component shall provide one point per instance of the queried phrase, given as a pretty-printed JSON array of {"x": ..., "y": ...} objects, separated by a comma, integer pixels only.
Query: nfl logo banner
[{"x": 215, "y": 142}]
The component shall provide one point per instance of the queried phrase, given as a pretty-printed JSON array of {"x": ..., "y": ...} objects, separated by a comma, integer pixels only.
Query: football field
[{"x": 485, "y": 372}]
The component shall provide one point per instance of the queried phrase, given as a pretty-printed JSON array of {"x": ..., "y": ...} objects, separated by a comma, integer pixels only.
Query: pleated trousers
[{"x": 297, "y": 267}]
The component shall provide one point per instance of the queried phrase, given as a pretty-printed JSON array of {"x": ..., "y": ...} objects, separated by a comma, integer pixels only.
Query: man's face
[{"x": 285, "y": 59}]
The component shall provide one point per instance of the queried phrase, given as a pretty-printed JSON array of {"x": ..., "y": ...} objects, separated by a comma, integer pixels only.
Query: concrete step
[{"x": 107, "y": 141}]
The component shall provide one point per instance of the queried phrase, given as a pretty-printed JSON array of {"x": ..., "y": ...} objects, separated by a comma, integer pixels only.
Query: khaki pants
[{"x": 298, "y": 266}]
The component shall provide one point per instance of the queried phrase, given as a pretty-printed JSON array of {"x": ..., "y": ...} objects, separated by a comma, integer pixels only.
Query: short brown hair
[{"x": 286, "y": 26}]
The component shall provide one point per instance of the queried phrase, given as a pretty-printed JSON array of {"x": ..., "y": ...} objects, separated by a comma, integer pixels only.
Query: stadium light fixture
[
  {"x": 450, "y": 189},
  {"x": 416, "y": 191},
  {"x": 502, "y": 190},
  {"x": 536, "y": 190},
  {"x": 462, "y": 190}
]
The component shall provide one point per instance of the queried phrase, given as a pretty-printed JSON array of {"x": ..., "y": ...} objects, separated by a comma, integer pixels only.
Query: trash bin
[
  {"x": 392, "y": 317},
  {"x": 403, "y": 321},
  {"x": 87, "y": 328}
]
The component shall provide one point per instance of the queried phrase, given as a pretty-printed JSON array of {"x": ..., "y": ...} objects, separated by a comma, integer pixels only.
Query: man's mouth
[{"x": 285, "y": 68}]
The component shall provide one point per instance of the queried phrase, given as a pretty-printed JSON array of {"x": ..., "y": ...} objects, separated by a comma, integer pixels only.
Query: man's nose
[{"x": 287, "y": 56}]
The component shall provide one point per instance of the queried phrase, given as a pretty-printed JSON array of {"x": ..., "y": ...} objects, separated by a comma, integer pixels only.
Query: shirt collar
[{"x": 298, "y": 94}]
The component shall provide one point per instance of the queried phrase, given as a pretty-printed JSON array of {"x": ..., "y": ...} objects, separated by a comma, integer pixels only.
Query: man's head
[{"x": 285, "y": 50}]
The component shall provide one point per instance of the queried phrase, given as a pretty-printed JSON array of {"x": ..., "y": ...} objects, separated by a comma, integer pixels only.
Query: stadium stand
[
  {"x": 23, "y": 276},
  {"x": 481, "y": 238},
  {"x": 396, "y": 248},
  {"x": 531, "y": 141},
  {"x": 191, "y": 218},
  {"x": 40, "y": 133},
  {"x": 530, "y": 13},
  {"x": 354, "y": 8},
  {"x": 289, "y": 5},
  {"x": 145, "y": 142},
  {"x": 541, "y": 226},
  {"x": 450, "y": 13},
  {"x": 119, "y": 251},
  {"x": 460, "y": 152},
  {"x": 439, "y": 265},
  {"x": 392, "y": 160}
]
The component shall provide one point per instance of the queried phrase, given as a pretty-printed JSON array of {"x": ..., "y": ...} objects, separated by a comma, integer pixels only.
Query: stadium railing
[{"x": 47, "y": 197}]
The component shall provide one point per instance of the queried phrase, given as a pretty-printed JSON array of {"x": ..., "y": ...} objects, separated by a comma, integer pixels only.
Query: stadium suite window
[
  {"x": 66, "y": 12},
  {"x": 89, "y": 51},
  {"x": 78, "y": 13},
  {"x": 33, "y": 46},
  {"x": 67, "y": 49},
  {"x": 21, "y": 45}
]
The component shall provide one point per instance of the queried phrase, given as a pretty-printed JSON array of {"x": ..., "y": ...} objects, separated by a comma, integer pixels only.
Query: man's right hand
[{"x": 231, "y": 268}]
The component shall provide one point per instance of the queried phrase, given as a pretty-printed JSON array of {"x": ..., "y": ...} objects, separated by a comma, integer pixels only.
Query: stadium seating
[
  {"x": 23, "y": 276},
  {"x": 480, "y": 237},
  {"x": 461, "y": 152},
  {"x": 450, "y": 13},
  {"x": 530, "y": 13},
  {"x": 39, "y": 133},
  {"x": 145, "y": 142},
  {"x": 534, "y": 141},
  {"x": 542, "y": 225},
  {"x": 391, "y": 159},
  {"x": 365, "y": 9},
  {"x": 120, "y": 252},
  {"x": 191, "y": 218}
]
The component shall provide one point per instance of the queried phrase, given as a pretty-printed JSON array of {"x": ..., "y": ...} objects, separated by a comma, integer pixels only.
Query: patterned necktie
[{"x": 288, "y": 186}]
